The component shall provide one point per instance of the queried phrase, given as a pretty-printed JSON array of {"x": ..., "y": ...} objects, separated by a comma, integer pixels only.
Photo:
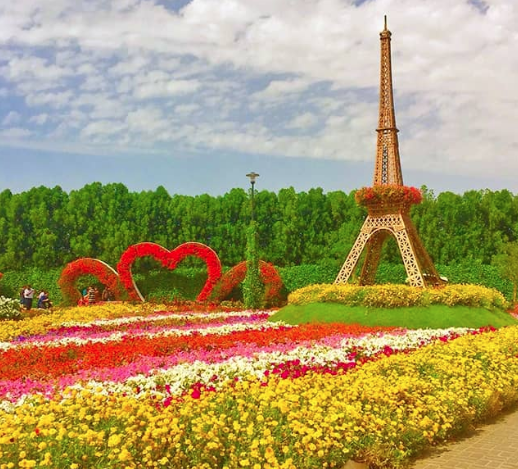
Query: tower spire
[{"x": 388, "y": 164}]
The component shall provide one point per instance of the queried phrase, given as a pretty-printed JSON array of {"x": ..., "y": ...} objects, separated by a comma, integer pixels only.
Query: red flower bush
[
  {"x": 269, "y": 275},
  {"x": 388, "y": 194},
  {"x": 87, "y": 266},
  {"x": 169, "y": 259}
]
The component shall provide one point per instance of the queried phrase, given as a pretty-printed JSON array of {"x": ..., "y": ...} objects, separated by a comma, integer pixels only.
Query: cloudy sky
[{"x": 192, "y": 95}]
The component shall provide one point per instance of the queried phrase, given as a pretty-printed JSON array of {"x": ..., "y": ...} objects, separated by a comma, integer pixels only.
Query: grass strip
[{"x": 434, "y": 316}]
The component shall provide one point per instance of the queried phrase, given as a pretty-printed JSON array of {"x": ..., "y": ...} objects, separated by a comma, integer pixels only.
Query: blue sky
[{"x": 193, "y": 95}]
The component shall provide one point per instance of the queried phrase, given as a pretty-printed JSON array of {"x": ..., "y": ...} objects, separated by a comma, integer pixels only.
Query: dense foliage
[
  {"x": 46, "y": 227},
  {"x": 306, "y": 234}
]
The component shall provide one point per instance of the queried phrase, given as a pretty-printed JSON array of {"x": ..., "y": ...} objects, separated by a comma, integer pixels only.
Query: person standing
[
  {"x": 22, "y": 296},
  {"x": 91, "y": 295},
  {"x": 28, "y": 295}
]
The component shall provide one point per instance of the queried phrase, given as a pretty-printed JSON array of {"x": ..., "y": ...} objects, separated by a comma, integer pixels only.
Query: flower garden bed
[
  {"x": 143, "y": 388},
  {"x": 395, "y": 296}
]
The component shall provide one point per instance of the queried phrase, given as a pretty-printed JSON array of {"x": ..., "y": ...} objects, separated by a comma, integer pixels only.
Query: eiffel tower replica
[{"x": 388, "y": 218}]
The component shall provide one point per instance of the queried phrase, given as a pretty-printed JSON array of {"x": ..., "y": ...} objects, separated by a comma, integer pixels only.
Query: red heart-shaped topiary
[
  {"x": 169, "y": 259},
  {"x": 87, "y": 266}
]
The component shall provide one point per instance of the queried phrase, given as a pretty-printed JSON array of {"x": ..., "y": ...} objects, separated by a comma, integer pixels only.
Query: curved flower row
[
  {"x": 395, "y": 296},
  {"x": 124, "y": 327},
  {"x": 223, "y": 328},
  {"x": 57, "y": 360},
  {"x": 215, "y": 370},
  {"x": 40, "y": 324},
  {"x": 165, "y": 376},
  {"x": 50, "y": 358}
]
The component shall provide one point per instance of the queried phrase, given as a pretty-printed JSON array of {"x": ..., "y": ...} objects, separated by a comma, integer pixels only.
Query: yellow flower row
[
  {"x": 382, "y": 412},
  {"x": 42, "y": 323},
  {"x": 394, "y": 296}
]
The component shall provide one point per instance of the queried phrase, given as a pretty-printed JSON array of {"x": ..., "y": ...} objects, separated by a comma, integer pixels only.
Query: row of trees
[{"x": 48, "y": 227}]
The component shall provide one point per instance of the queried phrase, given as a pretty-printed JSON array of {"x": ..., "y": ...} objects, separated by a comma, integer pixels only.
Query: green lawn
[{"x": 433, "y": 317}]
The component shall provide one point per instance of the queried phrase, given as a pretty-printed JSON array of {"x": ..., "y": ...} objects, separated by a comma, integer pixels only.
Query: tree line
[{"x": 48, "y": 227}]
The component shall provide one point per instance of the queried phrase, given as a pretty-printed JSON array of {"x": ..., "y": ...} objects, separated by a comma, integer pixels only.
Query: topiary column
[{"x": 253, "y": 294}]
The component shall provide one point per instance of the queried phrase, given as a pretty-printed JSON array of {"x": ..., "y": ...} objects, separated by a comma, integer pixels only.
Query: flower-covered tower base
[{"x": 388, "y": 201}]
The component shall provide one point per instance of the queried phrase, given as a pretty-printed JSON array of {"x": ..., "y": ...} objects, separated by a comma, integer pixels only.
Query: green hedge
[
  {"x": 469, "y": 272},
  {"x": 302, "y": 275},
  {"x": 185, "y": 283},
  {"x": 12, "y": 282}
]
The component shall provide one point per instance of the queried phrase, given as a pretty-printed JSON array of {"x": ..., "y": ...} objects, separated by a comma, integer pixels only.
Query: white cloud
[
  {"x": 100, "y": 129},
  {"x": 12, "y": 117},
  {"x": 186, "y": 108},
  {"x": 15, "y": 133},
  {"x": 162, "y": 88},
  {"x": 303, "y": 121},
  {"x": 40, "y": 119},
  {"x": 280, "y": 88},
  {"x": 54, "y": 100}
]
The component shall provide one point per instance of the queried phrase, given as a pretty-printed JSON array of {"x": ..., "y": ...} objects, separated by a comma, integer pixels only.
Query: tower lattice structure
[{"x": 387, "y": 219}]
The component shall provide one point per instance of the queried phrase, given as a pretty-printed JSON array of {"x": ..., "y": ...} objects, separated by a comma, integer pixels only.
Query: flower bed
[
  {"x": 157, "y": 388},
  {"x": 395, "y": 296}
]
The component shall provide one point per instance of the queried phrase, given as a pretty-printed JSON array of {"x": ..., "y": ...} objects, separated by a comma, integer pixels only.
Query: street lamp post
[
  {"x": 252, "y": 177},
  {"x": 252, "y": 285}
]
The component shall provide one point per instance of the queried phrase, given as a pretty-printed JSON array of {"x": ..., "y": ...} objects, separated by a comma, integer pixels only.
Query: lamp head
[{"x": 252, "y": 177}]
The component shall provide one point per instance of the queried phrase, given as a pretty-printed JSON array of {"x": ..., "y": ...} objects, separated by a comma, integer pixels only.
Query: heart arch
[
  {"x": 168, "y": 259},
  {"x": 231, "y": 279},
  {"x": 87, "y": 266}
]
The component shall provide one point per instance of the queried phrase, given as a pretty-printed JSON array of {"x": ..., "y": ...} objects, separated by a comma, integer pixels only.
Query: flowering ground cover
[{"x": 143, "y": 388}]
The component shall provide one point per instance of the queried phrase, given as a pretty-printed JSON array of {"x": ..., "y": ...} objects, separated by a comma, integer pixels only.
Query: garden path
[{"x": 490, "y": 446}]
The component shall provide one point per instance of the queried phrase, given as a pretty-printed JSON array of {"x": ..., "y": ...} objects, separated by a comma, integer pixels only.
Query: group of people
[
  {"x": 27, "y": 297},
  {"x": 91, "y": 295}
]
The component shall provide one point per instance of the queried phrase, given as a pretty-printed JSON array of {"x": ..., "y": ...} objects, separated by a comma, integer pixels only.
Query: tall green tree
[{"x": 507, "y": 263}]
